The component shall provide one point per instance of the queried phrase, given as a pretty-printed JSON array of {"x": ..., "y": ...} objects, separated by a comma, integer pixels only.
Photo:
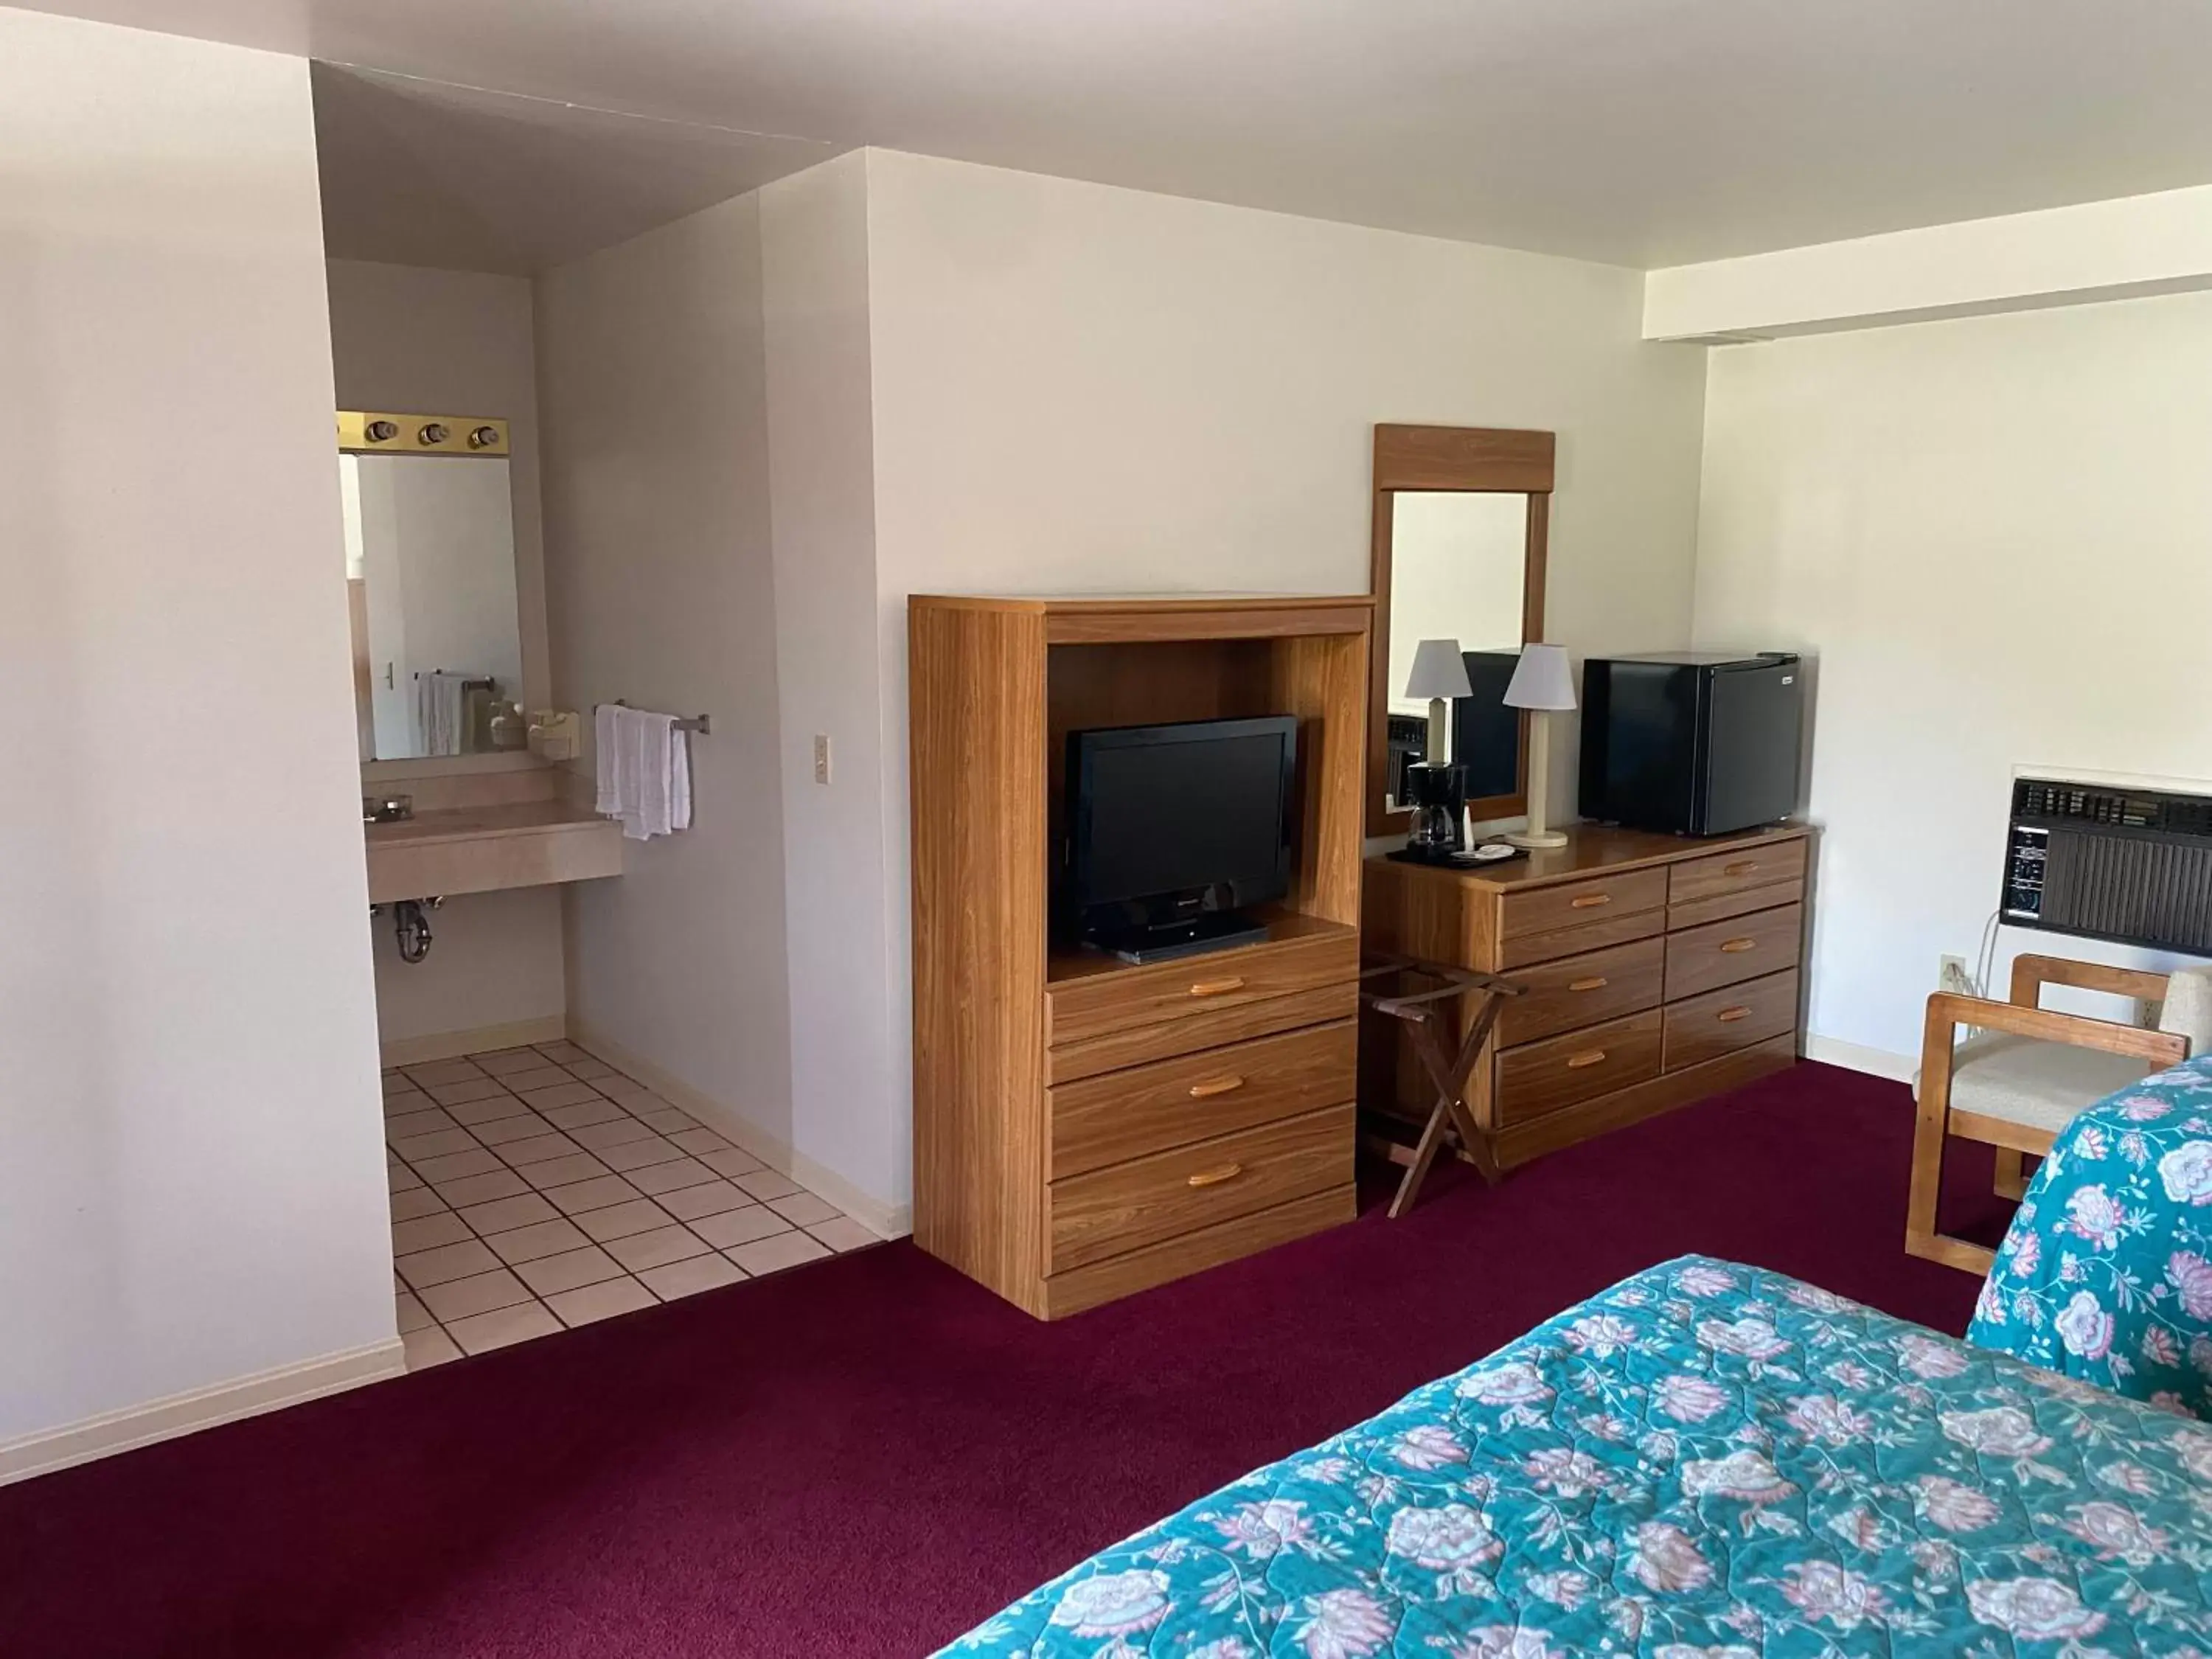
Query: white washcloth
[
  {"x": 644, "y": 771},
  {"x": 607, "y": 748},
  {"x": 439, "y": 718}
]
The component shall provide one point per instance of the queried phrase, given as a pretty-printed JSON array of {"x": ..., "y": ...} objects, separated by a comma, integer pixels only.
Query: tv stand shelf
[
  {"x": 1081, "y": 961},
  {"x": 1085, "y": 1127}
]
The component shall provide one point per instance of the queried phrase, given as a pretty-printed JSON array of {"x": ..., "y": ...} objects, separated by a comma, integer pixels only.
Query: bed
[
  {"x": 2106, "y": 1270},
  {"x": 1705, "y": 1461}
]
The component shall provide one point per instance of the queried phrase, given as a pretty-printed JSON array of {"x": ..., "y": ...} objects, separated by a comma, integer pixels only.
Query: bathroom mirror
[
  {"x": 1461, "y": 517},
  {"x": 430, "y": 579}
]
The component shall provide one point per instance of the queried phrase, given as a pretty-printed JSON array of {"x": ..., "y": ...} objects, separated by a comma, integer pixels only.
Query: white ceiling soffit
[
  {"x": 425, "y": 173},
  {"x": 1645, "y": 133},
  {"x": 2129, "y": 248}
]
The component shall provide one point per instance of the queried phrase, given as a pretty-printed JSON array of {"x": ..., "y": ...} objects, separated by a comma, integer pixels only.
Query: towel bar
[{"x": 702, "y": 724}]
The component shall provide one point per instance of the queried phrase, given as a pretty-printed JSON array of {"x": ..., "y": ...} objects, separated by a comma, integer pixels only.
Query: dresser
[
  {"x": 1656, "y": 971},
  {"x": 1085, "y": 1127}
]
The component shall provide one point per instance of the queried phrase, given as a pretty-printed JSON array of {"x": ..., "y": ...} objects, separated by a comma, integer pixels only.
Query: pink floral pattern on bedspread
[
  {"x": 1705, "y": 1461},
  {"x": 2106, "y": 1271}
]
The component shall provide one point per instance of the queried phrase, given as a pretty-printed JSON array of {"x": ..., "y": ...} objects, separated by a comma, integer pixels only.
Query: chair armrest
[{"x": 1947, "y": 1010}]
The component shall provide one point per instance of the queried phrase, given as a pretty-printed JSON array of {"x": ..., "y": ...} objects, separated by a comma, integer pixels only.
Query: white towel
[
  {"x": 607, "y": 747},
  {"x": 439, "y": 719},
  {"x": 644, "y": 771}
]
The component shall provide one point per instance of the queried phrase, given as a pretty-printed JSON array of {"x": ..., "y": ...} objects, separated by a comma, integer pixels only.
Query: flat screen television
[{"x": 1175, "y": 832}]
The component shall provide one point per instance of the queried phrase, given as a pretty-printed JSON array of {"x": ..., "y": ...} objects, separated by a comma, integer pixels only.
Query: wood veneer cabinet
[
  {"x": 1658, "y": 971},
  {"x": 1085, "y": 1128}
]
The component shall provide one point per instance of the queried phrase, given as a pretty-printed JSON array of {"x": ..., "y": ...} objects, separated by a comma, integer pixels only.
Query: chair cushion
[
  {"x": 2026, "y": 1080},
  {"x": 2188, "y": 1008}
]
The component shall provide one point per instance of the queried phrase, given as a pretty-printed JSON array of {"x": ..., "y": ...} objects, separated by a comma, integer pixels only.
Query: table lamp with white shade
[
  {"x": 1436, "y": 788},
  {"x": 1439, "y": 674},
  {"x": 1541, "y": 683}
]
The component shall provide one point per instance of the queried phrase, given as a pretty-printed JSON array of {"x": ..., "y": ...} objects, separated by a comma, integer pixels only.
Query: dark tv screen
[{"x": 1163, "y": 810}]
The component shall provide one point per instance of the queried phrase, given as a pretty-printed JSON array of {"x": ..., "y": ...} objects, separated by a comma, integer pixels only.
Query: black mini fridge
[{"x": 1691, "y": 743}]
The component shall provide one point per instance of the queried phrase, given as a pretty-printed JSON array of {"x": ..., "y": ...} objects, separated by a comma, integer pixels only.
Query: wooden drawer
[
  {"x": 1696, "y": 913},
  {"x": 1194, "y": 1252},
  {"x": 1578, "y": 991},
  {"x": 1540, "y": 909},
  {"x": 1125, "y": 1206},
  {"x": 1542, "y": 1076},
  {"x": 1700, "y": 959},
  {"x": 1732, "y": 871},
  {"x": 1520, "y": 952},
  {"x": 1149, "y": 1108},
  {"x": 1117, "y": 998},
  {"x": 1209, "y": 1028},
  {"x": 1735, "y": 1017}
]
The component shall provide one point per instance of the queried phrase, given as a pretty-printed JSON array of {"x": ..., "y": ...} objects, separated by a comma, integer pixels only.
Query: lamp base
[{"x": 1539, "y": 838}]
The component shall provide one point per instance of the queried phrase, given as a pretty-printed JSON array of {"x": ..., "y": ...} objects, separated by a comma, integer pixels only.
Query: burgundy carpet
[{"x": 866, "y": 1456}]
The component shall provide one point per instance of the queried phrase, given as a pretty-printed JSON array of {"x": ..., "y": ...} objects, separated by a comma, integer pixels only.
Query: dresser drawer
[
  {"x": 1210, "y": 1028},
  {"x": 1519, "y": 952},
  {"x": 1735, "y": 1017},
  {"x": 1542, "y": 1076},
  {"x": 1724, "y": 952},
  {"x": 1117, "y": 998},
  {"x": 1696, "y": 913},
  {"x": 1578, "y": 991},
  {"x": 1126, "y": 1205},
  {"x": 1540, "y": 909},
  {"x": 1693, "y": 879},
  {"x": 1149, "y": 1108}
]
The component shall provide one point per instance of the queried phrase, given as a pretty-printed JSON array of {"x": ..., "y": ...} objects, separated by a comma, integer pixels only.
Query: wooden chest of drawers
[
  {"x": 1658, "y": 970},
  {"x": 1196, "y": 1110}
]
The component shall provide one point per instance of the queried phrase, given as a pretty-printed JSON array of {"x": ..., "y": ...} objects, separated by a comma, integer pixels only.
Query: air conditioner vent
[{"x": 2132, "y": 865}]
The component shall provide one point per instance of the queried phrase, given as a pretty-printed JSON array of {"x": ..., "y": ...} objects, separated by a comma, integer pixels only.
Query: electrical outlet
[
  {"x": 1951, "y": 975},
  {"x": 821, "y": 757}
]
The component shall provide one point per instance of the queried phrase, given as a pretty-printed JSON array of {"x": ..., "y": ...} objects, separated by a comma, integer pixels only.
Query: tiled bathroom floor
[{"x": 538, "y": 1188}]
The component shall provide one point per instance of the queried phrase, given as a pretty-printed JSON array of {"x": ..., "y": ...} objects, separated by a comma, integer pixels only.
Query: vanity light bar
[{"x": 372, "y": 431}]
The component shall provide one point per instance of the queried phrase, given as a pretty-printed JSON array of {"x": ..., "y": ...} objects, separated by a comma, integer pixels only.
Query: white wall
[
  {"x": 192, "y": 1182},
  {"x": 461, "y": 342},
  {"x": 1079, "y": 388},
  {"x": 658, "y": 567},
  {"x": 1996, "y": 535},
  {"x": 849, "y": 1053}
]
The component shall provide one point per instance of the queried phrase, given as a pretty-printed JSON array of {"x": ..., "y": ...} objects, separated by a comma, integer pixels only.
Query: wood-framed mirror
[{"x": 1461, "y": 520}]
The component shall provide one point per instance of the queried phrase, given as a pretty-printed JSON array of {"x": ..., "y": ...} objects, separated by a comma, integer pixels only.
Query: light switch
[{"x": 821, "y": 757}]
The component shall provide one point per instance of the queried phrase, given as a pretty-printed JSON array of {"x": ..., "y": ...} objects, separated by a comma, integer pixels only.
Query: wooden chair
[
  {"x": 2031, "y": 1072},
  {"x": 1426, "y": 1014}
]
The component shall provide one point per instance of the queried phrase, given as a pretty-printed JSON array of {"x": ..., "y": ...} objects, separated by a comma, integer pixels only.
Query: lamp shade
[
  {"x": 1540, "y": 679},
  {"x": 1439, "y": 671}
]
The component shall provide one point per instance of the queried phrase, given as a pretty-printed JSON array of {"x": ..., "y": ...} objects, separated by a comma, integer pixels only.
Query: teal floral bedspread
[
  {"x": 1705, "y": 1461},
  {"x": 2106, "y": 1271}
]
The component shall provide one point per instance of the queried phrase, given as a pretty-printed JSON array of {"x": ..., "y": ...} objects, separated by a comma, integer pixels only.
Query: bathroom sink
[{"x": 482, "y": 849}]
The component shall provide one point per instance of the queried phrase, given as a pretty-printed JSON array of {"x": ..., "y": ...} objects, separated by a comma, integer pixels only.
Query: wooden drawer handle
[
  {"x": 1576, "y": 1062},
  {"x": 1740, "y": 868},
  {"x": 1733, "y": 946},
  {"x": 1215, "y": 1085},
  {"x": 1214, "y": 988},
  {"x": 1215, "y": 1178},
  {"x": 1728, "y": 1014},
  {"x": 1589, "y": 901},
  {"x": 1595, "y": 983}
]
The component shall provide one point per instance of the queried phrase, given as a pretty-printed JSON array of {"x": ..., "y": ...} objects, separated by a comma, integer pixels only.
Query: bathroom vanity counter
[{"x": 483, "y": 848}]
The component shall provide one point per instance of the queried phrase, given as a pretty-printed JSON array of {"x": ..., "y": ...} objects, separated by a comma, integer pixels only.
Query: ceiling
[
  {"x": 419, "y": 172},
  {"x": 1644, "y": 132}
]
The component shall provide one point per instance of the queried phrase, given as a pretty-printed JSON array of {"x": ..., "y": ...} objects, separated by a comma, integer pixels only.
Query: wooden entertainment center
[{"x": 1084, "y": 1128}]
